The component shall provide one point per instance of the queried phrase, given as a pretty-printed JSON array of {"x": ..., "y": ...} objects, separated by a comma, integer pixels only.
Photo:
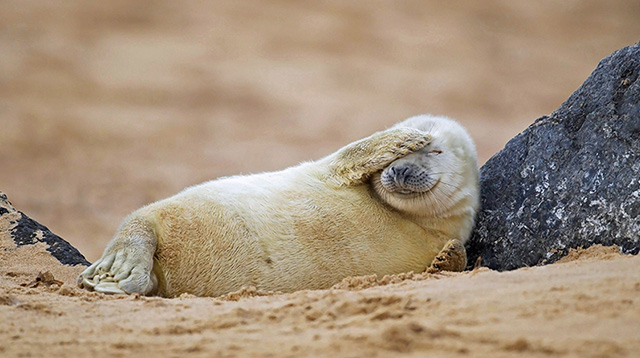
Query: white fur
[{"x": 305, "y": 227}]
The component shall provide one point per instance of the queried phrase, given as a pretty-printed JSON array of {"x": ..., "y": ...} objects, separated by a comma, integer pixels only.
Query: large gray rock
[
  {"x": 572, "y": 179},
  {"x": 25, "y": 231}
]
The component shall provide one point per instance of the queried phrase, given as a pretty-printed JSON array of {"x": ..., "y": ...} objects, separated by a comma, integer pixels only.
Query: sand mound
[
  {"x": 362, "y": 282},
  {"x": 595, "y": 252},
  {"x": 246, "y": 292}
]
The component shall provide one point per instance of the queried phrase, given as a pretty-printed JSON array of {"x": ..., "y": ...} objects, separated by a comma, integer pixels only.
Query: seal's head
[{"x": 439, "y": 180}]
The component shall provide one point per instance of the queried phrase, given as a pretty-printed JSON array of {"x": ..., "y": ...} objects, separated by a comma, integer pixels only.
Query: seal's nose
[{"x": 400, "y": 173}]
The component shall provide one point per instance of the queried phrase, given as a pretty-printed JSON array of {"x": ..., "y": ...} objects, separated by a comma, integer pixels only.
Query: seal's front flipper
[
  {"x": 452, "y": 257},
  {"x": 356, "y": 162}
]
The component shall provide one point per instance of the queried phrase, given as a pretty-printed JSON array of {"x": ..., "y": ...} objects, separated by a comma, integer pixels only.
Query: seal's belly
[
  {"x": 357, "y": 239},
  {"x": 282, "y": 241}
]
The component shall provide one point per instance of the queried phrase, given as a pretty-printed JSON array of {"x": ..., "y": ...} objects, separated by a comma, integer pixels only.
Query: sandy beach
[
  {"x": 586, "y": 305},
  {"x": 108, "y": 106}
]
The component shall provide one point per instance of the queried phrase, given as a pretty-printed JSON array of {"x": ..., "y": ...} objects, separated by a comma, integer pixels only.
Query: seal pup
[{"x": 386, "y": 204}]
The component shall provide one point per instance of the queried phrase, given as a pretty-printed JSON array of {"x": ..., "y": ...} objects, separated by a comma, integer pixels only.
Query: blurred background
[{"x": 107, "y": 106}]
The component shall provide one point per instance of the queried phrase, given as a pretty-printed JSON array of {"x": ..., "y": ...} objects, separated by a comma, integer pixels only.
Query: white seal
[{"x": 382, "y": 205}]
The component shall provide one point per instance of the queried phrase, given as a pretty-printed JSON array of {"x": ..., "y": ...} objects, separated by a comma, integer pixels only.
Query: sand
[{"x": 586, "y": 306}]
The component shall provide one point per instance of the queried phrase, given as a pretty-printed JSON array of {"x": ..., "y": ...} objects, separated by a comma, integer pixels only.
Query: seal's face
[
  {"x": 412, "y": 175},
  {"x": 436, "y": 180}
]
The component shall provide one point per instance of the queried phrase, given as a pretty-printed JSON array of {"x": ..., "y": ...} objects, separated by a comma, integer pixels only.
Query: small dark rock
[
  {"x": 26, "y": 231},
  {"x": 572, "y": 179}
]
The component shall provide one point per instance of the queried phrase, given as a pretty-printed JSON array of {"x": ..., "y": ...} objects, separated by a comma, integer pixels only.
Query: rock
[
  {"x": 572, "y": 179},
  {"x": 25, "y": 231}
]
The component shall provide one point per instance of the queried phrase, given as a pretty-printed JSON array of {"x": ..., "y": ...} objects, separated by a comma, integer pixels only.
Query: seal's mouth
[{"x": 403, "y": 191}]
